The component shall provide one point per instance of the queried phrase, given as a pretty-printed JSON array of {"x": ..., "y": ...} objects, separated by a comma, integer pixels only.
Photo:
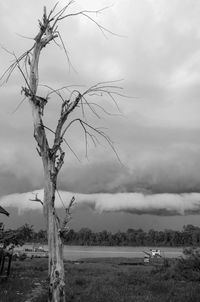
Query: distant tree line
[{"x": 188, "y": 236}]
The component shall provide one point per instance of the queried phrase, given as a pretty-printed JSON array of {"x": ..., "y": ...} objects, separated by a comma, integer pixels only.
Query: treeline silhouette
[{"x": 188, "y": 236}]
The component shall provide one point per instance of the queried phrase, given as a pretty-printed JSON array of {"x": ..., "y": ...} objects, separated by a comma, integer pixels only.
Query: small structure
[
  {"x": 5, "y": 255},
  {"x": 36, "y": 251}
]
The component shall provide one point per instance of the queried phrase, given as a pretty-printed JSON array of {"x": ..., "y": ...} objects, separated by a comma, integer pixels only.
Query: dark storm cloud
[
  {"x": 157, "y": 138},
  {"x": 156, "y": 159},
  {"x": 11, "y": 184}
]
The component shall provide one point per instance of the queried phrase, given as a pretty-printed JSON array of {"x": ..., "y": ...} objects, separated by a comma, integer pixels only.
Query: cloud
[
  {"x": 153, "y": 162},
  {"x": 157, "y": 139},
  {"x": 153, "y": 167},
  {"x": 134, "y": 203}
]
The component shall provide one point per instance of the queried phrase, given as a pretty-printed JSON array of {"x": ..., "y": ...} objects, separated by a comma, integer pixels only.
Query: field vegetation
[{"x": 108, "y": 280}]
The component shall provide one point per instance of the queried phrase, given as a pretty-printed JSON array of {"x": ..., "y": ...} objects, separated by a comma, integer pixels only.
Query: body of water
[
  {"x": 74, "y": 252},
  {"x": 78, "y": 252}
]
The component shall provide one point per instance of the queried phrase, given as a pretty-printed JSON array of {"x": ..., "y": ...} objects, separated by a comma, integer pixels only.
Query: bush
[
  {"x": 188, "y": 266},
  {"x": 22, "y": 257}
]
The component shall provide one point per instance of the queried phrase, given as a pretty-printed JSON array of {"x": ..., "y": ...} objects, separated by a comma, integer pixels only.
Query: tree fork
[{"x": 53, "y": 157}]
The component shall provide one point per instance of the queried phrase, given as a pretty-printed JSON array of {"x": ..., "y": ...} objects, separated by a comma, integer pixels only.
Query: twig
[
  {"x": 36, "y": 199},
  {"x": 19, "y": 105}
]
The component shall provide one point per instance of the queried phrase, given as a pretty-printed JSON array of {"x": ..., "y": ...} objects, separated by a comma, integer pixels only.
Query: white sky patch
[
  {"x": 187, "y": 73},
  {"x": 110, "y": 69},
  {"x": 166, "y": 204}
]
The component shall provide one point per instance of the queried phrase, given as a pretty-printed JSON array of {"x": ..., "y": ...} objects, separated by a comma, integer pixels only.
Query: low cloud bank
[{"x": 164, "y": 204}]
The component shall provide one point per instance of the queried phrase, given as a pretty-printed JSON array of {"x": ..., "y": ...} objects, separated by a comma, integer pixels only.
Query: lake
[
  {"x": 78, "y": 252},
  {"x": 74, "y": 252}
]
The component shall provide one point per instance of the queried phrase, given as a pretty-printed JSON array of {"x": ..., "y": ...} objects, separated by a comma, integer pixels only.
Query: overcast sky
[{"x": 157, "y": 54}]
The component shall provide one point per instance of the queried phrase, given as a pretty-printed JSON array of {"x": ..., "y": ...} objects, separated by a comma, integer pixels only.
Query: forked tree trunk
[
  {"x": 56, "y": 266},
  {"x": 52, "y": 157}
]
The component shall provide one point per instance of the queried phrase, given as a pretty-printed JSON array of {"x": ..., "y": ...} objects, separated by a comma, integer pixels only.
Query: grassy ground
[
  {"x": 103, "y": 280},
  {"x": 27, "y": 279}
]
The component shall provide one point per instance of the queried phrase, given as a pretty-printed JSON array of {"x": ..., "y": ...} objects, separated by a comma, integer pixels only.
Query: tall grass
[{"x": 103, "y": 280}]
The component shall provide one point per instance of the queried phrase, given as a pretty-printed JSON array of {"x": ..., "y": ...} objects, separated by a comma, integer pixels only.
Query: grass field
[{"x": 104, "y": 280}]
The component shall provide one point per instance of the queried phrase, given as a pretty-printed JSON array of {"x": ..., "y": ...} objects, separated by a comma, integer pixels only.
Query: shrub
[
  {"x": 188, "y": 266},
  {"x": 22, "y": 257}
]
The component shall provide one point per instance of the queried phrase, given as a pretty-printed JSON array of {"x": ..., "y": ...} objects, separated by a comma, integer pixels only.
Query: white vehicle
[
  {"x": 155, "y": 253},
  {"x": 151, "y": 254}
]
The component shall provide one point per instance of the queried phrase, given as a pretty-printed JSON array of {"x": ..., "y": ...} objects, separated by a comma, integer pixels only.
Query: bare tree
[{"x": 53, "y": 155}]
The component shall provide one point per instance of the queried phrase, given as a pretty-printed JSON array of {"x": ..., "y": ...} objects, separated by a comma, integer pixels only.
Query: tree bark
[{"x": 56, "y": 266}]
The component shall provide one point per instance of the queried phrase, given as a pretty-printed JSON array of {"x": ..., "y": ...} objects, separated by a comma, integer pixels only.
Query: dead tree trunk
[
  {"x": 53, "y": 156},
  {"x": 56, "y": 266}
]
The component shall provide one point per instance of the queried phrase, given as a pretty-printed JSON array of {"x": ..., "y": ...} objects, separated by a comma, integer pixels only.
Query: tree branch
[
  {"x": 96, "y": 130},
  {"x": 65, "y": 228},
  {"x": 37, "y": 199}
]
